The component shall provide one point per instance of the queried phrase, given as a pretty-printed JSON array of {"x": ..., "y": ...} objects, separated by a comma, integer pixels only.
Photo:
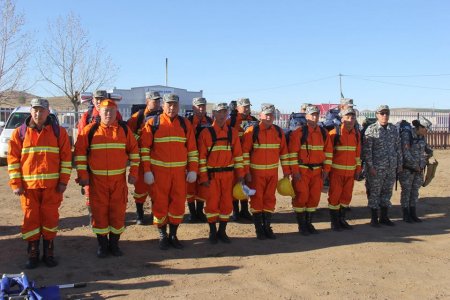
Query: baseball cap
[
  {"x": 347, "y": 111},
  {"x": 152, "y": 95},
  {"x": 267, "y": 108},
  {"x": 243, "y": 102},
  {"x": 171, "y": 98},
  {"x": 40, "y": 102},
  {"x": 382, "y": 107},
  {"x": 312, "y": 109},
  {"x": 198, "y": 101},
  {"x": 108, "y": 103},
  {"x": 100, "y": 94},
  {"x": 220, "y": 106},
  {"x": 425, "y": 122},
  {"x": 347, "y": 101}
]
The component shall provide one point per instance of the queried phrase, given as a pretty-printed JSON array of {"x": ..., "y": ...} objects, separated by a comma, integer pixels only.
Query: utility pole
[
  {"x": 167, "y": 71},
  {"x": 340, "y": 84}
]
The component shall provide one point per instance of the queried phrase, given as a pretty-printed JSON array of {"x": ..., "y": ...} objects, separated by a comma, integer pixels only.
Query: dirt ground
[{"x": 408, "y": 261}]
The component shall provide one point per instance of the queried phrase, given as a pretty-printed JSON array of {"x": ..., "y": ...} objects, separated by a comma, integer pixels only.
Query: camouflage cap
[
  {"x": 347, "y": 111},
  {"x": 198, "y": 101},
  {"x": 424, "y": 122},
  {"x": 171, "y": 98},
  {"x": 243, "y": 102},
  {"x": 100, "y": 94},
  {"x": 220, "y": 106},
  {"x": 304, "y": 106},
  {"x": 347, "y": 101},
  {"x": 312, "y": 109},
  {"x": 267, "y": 108},
  {"x": 40, "y": 102},
  {"x": 382, "y": 107},
  {"x": 153, "y": 95}
]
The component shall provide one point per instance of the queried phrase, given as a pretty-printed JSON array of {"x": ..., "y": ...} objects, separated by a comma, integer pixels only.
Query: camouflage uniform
[
  {"x": 381, "y": 150},
  {"x": 416, "y": 151}
]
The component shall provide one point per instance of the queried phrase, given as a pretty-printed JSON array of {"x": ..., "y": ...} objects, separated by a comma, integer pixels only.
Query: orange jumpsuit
[
  {"x": 82, "y": 122},
  {"x": 104, "y": 163},
  {"x": 38, "y": 164},
  {"x": 261, "y": 158},
  {"x": 310, "y": 159},
  {"x": 346, "y": 161},
  {"x": 141, "y": 189},
  {"x": 195, "y": 191},
  {"x": 218, "y": 167},
  {"x": 169, "y": 153}
]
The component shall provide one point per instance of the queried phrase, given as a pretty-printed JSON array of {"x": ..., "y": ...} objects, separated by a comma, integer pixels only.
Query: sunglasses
[{"x": 383, "y": 113}]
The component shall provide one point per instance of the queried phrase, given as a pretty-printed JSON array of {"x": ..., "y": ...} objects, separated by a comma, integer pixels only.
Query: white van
[{"x": 15, "y": 119}]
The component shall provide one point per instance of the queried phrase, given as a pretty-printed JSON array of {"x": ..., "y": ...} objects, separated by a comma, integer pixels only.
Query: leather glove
[
  {"x": 149, "y": 178},
  {"x": 191, "y": 177}
]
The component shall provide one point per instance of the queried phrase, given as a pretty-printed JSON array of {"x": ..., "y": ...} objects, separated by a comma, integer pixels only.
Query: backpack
[
  {"x": 156, "y": 122},
  {"x": 94, "y": 128},
  {"x": 304, "y": 138},
  {"x": 233, "y": 118},
  {"x": 51, "y": 119},
  {"x": 402, "y": 126},
  {"x": 256, "y": 132},
  {"x": 141, "y": 118},
  {"x": 89, "y": 116},
  {"x": 200, "y": 127},
  {"x": 337, "y": 137},
  {"x": 214, "y": 138}
]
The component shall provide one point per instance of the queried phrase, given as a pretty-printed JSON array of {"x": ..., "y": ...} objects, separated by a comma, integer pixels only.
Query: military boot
[
  {"x": 374, "y": 218},
  {"x": 301, "y": 220},
  {"x": 102, "y": 250},
  {"x": 163, "y": 238},
  {"x": 139, "y": 213},
  {"x": 309, "y": 224},
  {"x": 192, "y": 213},
  {"x": 384, "y": 219},
  {"x": 48, "y": 258},
  {"x": 406, "y": 215},
  {"x": 342, "y": 221},
  {"x": 199, "y": 211},
  {"x": 173, "y": 240},
  {"x": 412, "y": 211},
  {"x": 334, "y": 218},
  {"x": 212, "y": 233},
  {"x": 244, "y": 213},
  {"x": 222, "y": 234},
  {"x": 235, "y": 215},
  {"x": 33, "y": 255},
  {"x": 257, "y": 220},
  {"x": 267, "y": 221},
  {"x": 114, "y": 244}
]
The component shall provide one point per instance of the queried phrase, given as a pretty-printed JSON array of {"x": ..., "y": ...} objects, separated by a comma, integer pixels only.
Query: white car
[{"x": 15, "y": 119}]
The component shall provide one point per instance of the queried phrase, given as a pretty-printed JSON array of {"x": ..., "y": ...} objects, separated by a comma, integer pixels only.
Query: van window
[{"x": 16, "y": 119}]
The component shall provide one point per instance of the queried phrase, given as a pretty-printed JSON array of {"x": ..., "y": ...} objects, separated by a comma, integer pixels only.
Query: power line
[
  {"x": 400, "y": 76},
  {"x": 403, "y": 84}
]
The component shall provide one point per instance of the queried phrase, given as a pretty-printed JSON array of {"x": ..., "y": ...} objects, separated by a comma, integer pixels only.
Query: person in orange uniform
[
  {"x": 220, "y": 154},
  {"x": 168, "y": 151},
  {"x": 311, "y": 155},
  {"x": 136, "y": 123},
  {"x": 39, "y": 166},
  {"x": 195, "y": 192},
  {"x": 345, "y": 168},
  {"x": 91, "y": 116},
  {"x": 263, "y": 146},
  {"x": 238, "y": 121},
  {"x": 102, "y": 152}
]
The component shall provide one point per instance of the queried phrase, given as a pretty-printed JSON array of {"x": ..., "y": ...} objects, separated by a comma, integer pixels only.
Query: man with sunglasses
[{"x": 383, "y": 155}]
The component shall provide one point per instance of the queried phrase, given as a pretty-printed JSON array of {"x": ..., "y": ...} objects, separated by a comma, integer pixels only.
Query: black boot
[
  {"x": 139, "y": 213},
  {"x": 301, "y": 221},
  {"x": 258, "y": 221},
  {"x": 33, "y": 255},
  {"x": 244, "y": 213},
  {"x": 222, "y": 234},
  {"x": 114, "y": 244},
  {"x": 235, "y": 216},
  {"x": 342, "y": 221},
  {"x": 384, "y": 219},
  {"x": 412, "y": 211},
  {"x": 173, "y": 240},
  {"x": 267, "y": 220},
  {"x": 102, "y": 250},
  {"x": 406, "y": 215},
  {"x": 49, "y": 258},
  {"x": 192, "y": 213},
  {"x": 199, "y": 211},
  {"x": 334, "y": 218},
  {"x": 212, "y": 233},
  {"x": 309, "y": 224},
  {"x": 163, "y": 238},
  {"x": 374, "y": 218}
]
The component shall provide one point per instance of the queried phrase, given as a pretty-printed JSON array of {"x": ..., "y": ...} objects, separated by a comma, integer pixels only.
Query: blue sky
[{"x": 284, "y": 52}]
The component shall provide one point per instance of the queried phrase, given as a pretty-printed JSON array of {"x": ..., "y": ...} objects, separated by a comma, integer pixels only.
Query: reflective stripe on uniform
[
  {"x": 40, "y": 176},
  {"x": 28, "y": 234},
  {"x": 264, "y": 167},
  {"x": 45, "y": 149},
  {"x": 173, "y": 164},
  {"x": 168, "y": 139},
  {"x": 108, "y": 146},
  {"x": 108, "y": 172}
]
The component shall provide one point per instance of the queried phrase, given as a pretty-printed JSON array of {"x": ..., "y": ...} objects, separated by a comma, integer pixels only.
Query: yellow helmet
[
  {"x": 238, "y": 192},
  {"x": 284, "y": 187}
]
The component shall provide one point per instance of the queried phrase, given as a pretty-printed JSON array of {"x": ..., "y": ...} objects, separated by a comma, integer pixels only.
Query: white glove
[
  {"x": 149, "y": 178},
  {"x": 191, "y": 177}
]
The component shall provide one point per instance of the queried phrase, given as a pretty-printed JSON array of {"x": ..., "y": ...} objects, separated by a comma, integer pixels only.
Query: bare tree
[
  {"x": 15, "y": 48},
  {"x": 71, "y": 63}
]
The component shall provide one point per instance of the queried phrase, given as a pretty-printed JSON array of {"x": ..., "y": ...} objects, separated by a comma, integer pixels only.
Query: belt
[{"x": 224, "y": 169}]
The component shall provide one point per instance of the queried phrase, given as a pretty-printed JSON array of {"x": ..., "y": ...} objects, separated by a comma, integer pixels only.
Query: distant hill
[{"x": 16, "y": 98}]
